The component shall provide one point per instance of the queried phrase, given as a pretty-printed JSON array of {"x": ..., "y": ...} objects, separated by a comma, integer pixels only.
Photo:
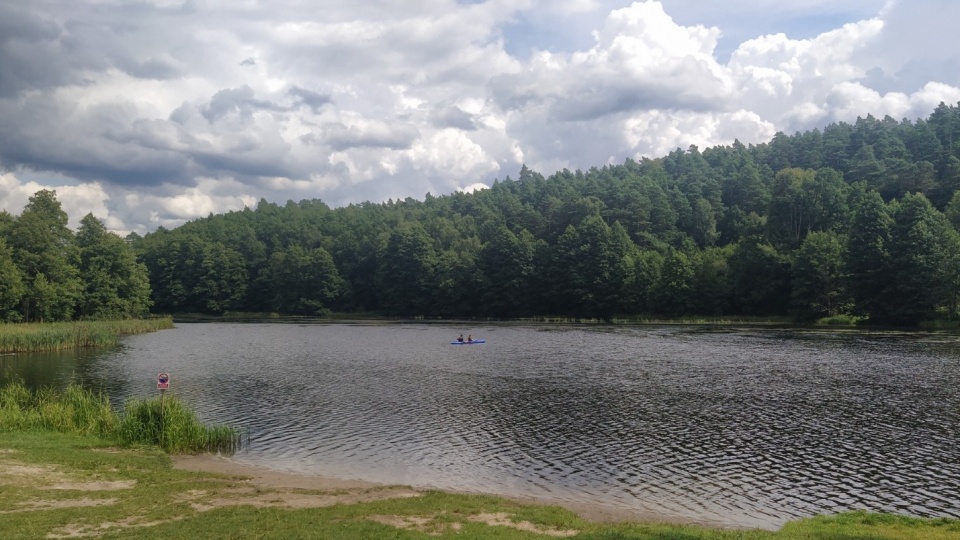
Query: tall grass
[
  {"x": 16, "y": 338},
  {"x": 74, "y": 410},
  {"x": 165, "y": 422},
  {"x": 168, "y": 423}
]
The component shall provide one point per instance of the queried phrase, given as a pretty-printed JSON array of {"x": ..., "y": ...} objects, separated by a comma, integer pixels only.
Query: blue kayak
[{"x": 468, "y": 342}]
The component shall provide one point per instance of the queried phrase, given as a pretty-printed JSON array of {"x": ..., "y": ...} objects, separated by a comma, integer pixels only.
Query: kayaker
[
  {"x": 460, "y": 339},
  {"x": 469, "y": 338}
]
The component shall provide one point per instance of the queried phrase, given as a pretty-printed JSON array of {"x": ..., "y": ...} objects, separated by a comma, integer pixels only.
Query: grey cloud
[
  {"x": 241, "y": 100},
  {"x": 914, "y": 74},
  {"x": 151, "y": 68},
  {"x": 616, "y": 97},
  {"x": 394, "y": 136},
  {"x": 31, "y": 53},
  {"x": 589, "y": 94},
  {"x": 109, "y": 143},
  {"x": 248, "y": 62},
  {"x": 453, "y": 117},
  {"x": 46, "y": 135},
  {"x": 53, "y": 49},
  {"x": 243, "y": 163},
  {"x": 314, "y": 100},
  {"x": 18, "y": 24}
]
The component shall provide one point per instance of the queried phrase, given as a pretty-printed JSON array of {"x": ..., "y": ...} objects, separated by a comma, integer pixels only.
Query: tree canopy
[{"x": 48, "y": 273}]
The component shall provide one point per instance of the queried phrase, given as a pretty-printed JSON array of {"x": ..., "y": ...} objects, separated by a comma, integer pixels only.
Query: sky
[{"x": 155, "y": 112}]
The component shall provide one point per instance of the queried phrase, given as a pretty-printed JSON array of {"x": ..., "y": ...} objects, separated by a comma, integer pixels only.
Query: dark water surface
[{"x": 735, "y": 426}]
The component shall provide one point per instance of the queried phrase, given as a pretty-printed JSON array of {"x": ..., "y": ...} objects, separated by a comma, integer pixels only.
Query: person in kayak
[
  {"x": 460, "y": 339},
  {"x": 469, "y": 338}
]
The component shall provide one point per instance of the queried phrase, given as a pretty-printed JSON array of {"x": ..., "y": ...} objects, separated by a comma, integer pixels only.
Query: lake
[{"x": 734, "y": 426}]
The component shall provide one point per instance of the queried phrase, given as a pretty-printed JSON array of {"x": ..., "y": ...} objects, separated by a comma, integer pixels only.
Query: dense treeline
[
  {"x": 855, "y": 219},
  {"x": 49, "y": 273}
]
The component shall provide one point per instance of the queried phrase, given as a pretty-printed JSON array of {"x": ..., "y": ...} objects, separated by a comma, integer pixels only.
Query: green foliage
[
  {"x": 507, "y": 264},
  {"x": 819, "y": 277},
  {"x": 922, "y": 262},
  {"x": 303, "y": 282},
  {"x": 49, "y": 274},
  {"x": 116, "y": 285},
  {"x": 868, "y": 249},
  {"x": 674, "y": 288},
  {"x": 44, "y": 252},
  {"x": 405, "y": 273},
  {"x": 711, "y": 287},
  {"x": 12, "y": 287},
  {"x": 760, "y": 277},
  {"x": 589, "y": 268}
]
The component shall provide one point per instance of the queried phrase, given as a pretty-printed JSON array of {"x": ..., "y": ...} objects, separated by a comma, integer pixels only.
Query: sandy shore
[{"x": 266, "y": 478}]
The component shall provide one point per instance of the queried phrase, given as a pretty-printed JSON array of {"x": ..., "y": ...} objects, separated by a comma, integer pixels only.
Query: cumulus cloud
[{"x": 158, "y": 112}]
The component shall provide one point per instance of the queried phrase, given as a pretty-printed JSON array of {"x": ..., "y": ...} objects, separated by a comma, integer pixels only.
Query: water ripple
[{"x": 735, "y": 426}]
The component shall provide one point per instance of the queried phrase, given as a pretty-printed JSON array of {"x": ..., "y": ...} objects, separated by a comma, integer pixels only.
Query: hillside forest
[{"x": 854, "y": 220}]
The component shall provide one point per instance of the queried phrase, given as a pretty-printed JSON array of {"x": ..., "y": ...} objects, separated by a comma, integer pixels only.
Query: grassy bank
[
  {"x": 58, "y": 485},
  {"x": 164, "y": 422},
  {"x": 17, "y": 338}
]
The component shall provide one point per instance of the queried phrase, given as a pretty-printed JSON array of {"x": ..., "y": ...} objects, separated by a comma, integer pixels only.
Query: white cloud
[
  {"x": 76, "y": 200},
  {"x": 155, "y": 113}
]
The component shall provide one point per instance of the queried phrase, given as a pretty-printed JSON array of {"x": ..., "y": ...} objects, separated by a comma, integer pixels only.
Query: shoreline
[{"x": 264, "y": 477}]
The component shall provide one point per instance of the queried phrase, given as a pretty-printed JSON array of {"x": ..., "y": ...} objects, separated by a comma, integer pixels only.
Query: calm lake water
[{"x": 732, "y": 426}]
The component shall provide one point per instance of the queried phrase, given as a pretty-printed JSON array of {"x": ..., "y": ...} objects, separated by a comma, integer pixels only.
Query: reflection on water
[{"x": 734, "y": 426}]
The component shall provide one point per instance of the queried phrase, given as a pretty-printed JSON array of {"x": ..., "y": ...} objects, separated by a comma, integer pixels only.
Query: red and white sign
[{"x": 163, "y": 381}]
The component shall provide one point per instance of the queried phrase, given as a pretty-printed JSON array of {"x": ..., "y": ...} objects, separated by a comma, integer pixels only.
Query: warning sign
[{"x": 163, "y": 381}]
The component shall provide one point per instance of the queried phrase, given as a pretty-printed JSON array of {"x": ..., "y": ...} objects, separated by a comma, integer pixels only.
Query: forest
[{"x": 855, "y": 220}]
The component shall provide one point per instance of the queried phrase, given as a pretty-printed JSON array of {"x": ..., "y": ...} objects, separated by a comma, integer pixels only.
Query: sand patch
[
  {"x": 95, "y": 486},
  {"x": 262, "y": 477},
  {"x": 30, "y": 506},
  {"x": 422, "y": 524},
  {"x": 431, "y": 526},
  {"x": 81, "y": 530},
  {"x": 503, "y": 520},
  {"x": 202, "y": 501},
  {"x": 266, "y": 488},
  {"x": 19, "y": 474}
]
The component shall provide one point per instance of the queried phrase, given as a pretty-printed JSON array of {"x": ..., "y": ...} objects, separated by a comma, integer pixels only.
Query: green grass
[
  {"x": 17, "y": 338},
  {"x": 841, "y": 320},
  {"x": 162, "y": 421},
  {"x": 55, "y": 485}
]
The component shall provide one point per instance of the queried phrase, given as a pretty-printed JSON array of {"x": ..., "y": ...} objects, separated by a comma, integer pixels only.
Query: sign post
[{"x": 163, "y": 384}]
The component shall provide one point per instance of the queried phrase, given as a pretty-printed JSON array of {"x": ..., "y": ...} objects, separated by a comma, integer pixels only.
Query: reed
[
  {"x": 166, "y": 422},
  {"x": 30, "y": 337},
  {"x": 75, "y": 410},
  {"x": 169, "y": 424}
]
